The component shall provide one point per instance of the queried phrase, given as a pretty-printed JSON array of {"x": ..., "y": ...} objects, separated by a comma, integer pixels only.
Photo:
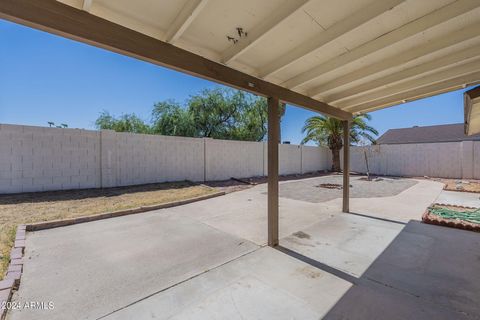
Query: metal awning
[
  {"x": 354, "y": 56},
  {"x": 472, "y": 111}
]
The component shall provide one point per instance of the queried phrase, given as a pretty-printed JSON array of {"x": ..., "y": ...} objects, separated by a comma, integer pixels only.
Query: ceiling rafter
[
  {"x": 429, "y": 47},
  {"x": 409, "y": 29},
  {"x": 257, "y": 33},
  {"x": 419, "y": 93},
  {"x": 338, "y": 29},
  {"x": 184, "y": 19},
  {"x": 87, "y": 5},
  {"x": 346, "y": 96},
  {"x": 449, "y": 73}
]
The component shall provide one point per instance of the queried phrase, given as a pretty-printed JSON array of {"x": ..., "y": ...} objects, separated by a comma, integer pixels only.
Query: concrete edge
[
  {"x": 14, "y": 271},
  {"x": 66, "y": 222},
  {"x": 445, "y": 188}
]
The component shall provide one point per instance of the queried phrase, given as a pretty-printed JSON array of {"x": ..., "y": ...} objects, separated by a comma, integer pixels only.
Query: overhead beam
[
  {"x": 256, "y": 34},
  {"x": 338, "y": 29},
  {"x": 87, "y": 5},
  {"x": 185, "y": 17},
  {"x": 61, "y": 19},
  {"x": 413, "y": 72},
  {"x": 421, "y": 24},
  {"x": 419, "y": 93},
  {"x": 429, "y": 47},
  {"x": 449, "y": 73}
]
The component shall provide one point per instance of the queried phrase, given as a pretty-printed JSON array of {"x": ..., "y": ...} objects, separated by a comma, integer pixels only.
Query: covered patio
[
  {"x": 338, "y": 58},
  {"x": 209, "y": 260}
]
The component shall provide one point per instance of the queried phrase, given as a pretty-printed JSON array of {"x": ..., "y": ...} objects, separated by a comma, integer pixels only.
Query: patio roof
[{"x": 329, "y": 56}]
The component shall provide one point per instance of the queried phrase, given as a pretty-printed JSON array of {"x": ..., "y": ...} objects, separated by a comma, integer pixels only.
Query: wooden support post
[
  {"x": 346, "y": 167},
  {"x": 273, "y": 140}
]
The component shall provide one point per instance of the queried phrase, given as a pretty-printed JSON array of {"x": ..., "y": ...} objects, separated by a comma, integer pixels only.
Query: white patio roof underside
[{"x": 357, "y": 56}]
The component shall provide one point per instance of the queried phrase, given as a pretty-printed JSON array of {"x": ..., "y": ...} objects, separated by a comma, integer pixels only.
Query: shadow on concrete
[
  {"x": 427, "y": 272},
  {"x": 377, "y": 218}
]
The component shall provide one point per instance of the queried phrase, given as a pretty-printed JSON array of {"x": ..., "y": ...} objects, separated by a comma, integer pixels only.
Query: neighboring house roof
[{"x": 442, "y": 133}]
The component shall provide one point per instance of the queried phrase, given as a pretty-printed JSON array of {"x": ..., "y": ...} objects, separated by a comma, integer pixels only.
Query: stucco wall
[{"x": 43, "y": 159}]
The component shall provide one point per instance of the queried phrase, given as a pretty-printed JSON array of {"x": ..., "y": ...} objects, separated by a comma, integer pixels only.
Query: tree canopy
[
  {"x": 124, "y": 123},
  {"x": 214, "y": 113}
]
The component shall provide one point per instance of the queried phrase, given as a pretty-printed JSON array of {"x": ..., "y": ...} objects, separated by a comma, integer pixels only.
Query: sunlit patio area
[
  {"x": 332, "y": 246},
  {"x": 209, "y": 260}
]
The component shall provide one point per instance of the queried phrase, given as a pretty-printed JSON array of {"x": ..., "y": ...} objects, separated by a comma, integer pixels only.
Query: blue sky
[{"x": 48, "y": 78}]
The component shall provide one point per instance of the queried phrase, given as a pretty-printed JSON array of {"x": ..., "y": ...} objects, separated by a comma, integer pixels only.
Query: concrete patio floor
[{"x": 207, "y": 260}]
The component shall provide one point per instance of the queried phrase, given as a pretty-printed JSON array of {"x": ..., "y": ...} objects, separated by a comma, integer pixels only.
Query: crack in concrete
[{"x": 178, "y": 283}]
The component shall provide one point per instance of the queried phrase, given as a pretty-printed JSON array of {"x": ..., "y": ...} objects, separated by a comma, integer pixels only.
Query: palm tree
[{"x": 327, "y": 131}]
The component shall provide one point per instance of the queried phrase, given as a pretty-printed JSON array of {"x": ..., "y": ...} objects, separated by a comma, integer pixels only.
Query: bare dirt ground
[
  {"x": 461, "y": 185},
  {"x": 234, "y": 184},
  {"x": 44, "y": 206}
]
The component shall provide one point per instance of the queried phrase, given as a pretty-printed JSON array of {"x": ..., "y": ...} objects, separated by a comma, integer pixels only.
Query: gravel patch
[{"x": 309, "y": 190}]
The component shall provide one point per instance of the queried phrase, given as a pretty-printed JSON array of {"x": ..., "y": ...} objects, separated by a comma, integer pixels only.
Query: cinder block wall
[
  {"x": 43, "y": 159},
  {"x": 445, "y": 160},
  {"x": 226, "y": 159},
  {"x": 313, "y": 160},
  {"x": 40, "y": 159}
]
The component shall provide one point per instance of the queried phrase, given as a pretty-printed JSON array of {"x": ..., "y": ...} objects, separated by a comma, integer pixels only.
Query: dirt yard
[
  {"x": 44, "y": 206},
  {"x": 461, "y": 185}
]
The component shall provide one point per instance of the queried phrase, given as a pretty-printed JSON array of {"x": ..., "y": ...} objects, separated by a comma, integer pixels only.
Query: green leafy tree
[
  {"x": 170, "y": 119},
  {"x": 228, "y": 114},
  {"x": 215, "y": 113},
  {"x": 328, "y": 132},
  {"x": 124, "y": 123}
]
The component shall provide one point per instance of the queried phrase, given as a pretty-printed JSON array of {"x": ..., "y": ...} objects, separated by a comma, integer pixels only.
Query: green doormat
[{"x": 453, "y": 216}]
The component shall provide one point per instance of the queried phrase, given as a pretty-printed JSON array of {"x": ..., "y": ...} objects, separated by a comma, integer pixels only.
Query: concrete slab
[
  {"x": 244, "y": 214},
  {"x": 91, "y": 269},
  {"x": 427, "y": 272},
  {"x": 405, "y": 206},
  {"x": 438, "y": 264},
  {"x": 199, "y": 261},
  {"x": 345, "y": 242},
  {"x": 376, "y": 301},
  {"x": 265, "y": 284},
  {"x": 467, "y": 199}
]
